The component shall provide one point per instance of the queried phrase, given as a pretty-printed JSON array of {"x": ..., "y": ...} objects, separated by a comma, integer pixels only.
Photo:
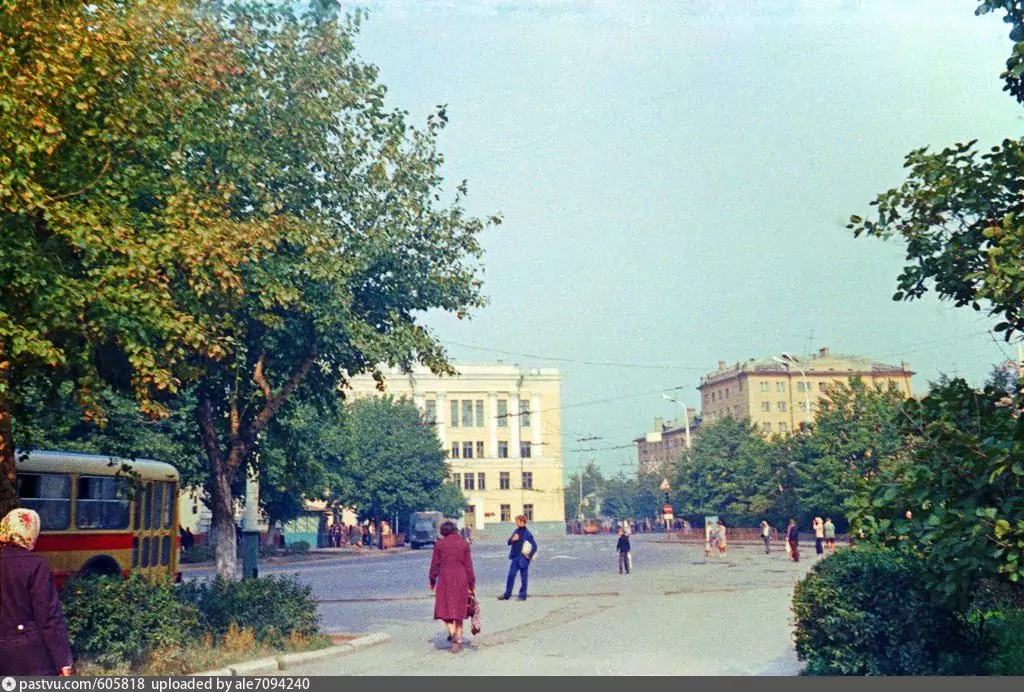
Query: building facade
[
  {"x": 659, "y": 449},
  {"x": 502, "y": 428},
  {"x": 780, "y": 397}
]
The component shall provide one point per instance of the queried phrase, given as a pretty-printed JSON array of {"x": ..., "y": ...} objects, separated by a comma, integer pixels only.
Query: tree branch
[{"x": 99, "y": 176}]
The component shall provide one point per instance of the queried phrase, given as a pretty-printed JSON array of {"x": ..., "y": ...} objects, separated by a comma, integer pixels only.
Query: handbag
[
  {"x": 474, "y": 615},
  {"x": 471, "y": 606}
]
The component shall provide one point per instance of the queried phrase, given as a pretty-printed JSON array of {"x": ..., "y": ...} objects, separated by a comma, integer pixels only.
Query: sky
[{"x": 675, "y": 177}]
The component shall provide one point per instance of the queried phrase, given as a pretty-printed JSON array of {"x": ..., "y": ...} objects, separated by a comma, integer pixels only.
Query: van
[{"x": 424, "y": 527}]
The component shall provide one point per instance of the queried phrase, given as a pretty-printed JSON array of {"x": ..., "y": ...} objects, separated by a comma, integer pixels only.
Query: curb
[{"x": 263, "y": 666}]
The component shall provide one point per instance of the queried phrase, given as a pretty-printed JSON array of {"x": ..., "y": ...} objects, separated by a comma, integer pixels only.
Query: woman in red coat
[
  {"x": 452, "y": 579},
  {"x": 33, "y": 634}
]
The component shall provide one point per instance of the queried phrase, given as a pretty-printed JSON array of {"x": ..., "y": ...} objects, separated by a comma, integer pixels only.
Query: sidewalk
[{"x": 701, "y": 617}]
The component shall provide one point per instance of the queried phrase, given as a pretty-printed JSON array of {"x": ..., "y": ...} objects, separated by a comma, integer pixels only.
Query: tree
[
  {"x": 391, "y": 463},
  {"x": 857, "y": 428},
  {"x": 96, "y": 222},
  {"x": 584, "y": 497},
  {"x": 620, "y": 497}
]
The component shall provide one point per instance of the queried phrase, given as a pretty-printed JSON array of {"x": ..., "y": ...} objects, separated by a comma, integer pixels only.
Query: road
[{"x": 678, "y": 613}]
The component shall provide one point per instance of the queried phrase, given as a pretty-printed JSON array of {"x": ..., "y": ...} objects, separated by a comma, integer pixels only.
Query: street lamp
[
  {"x": 686, "y": 417},
  {"x": 789, "y": 361}
]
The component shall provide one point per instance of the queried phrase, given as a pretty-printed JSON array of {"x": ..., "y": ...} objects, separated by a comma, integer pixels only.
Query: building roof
[{"x": 821, "y": 363}]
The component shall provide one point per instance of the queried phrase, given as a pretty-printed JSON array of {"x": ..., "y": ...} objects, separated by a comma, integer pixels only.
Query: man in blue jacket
[{"x": 523, "y": 549}]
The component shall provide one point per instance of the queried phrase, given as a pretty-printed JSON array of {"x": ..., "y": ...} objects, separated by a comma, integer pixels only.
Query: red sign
[{"x": 667, "y": 509}]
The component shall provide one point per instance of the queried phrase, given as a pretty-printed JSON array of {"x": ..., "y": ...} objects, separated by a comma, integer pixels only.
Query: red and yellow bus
[{"x": 98, "y": 519}]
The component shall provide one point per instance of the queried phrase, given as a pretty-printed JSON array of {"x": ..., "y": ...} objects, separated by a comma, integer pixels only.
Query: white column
[
  {"x": 535, "y": 421},
  {"x": 478, "y": 503},
  {"x": 442, "y": 412},
  {"x": 513, "y": 425},
  {"x": 492, "y": 425}
]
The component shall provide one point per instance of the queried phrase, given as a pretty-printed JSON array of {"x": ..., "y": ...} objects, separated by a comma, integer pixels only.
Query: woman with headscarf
[
  {"x": 452, "y": 579},
  {"x": 33, "y": 634}
]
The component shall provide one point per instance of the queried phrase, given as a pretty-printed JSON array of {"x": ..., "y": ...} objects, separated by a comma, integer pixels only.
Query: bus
[{"x": 98, "y": 519}]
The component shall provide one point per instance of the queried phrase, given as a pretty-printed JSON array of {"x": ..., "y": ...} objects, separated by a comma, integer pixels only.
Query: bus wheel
[{"x": 101, "y": 565}]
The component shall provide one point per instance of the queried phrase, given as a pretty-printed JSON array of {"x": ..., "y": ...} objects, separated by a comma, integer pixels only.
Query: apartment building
[
  {"x": 658, "y": 449},
  {"x": 502, "y": 428},
  {"x": 780, "y": 395}
]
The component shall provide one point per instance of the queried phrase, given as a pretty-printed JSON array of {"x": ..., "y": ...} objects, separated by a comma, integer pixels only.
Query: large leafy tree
[
  {"x": 584, "y": 492},
  {"x": 390, "y": 462},
  {"x": 857, "y": 428},
  {"x": 96, "y": 220}
]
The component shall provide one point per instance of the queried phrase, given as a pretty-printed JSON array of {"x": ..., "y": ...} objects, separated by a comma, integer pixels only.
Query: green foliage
[
  {"x": 963, "y": 482},
  {"x": 111, "y": 620},
  {"x": 870, "y": 612},
  {"x": 390, "y": 461},
  {"x": 197, "y": 554},
  {"x": 298, "y": 547},
  {"x": 585, "y": 498},
  {"x": 1006, "y": 656},
  {"x": 273, "y": 608}
]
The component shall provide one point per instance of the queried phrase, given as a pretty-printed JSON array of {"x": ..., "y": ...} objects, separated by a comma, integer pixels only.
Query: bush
[
  {"x": 298, "y": 548},
  {"x": 273, "y": 608},
  {"x": 112, "y": 620},
  {"x": 198, "y": 553},
  {"x": 870, "y": 612},
  {"x": 1006, "y": 652}
]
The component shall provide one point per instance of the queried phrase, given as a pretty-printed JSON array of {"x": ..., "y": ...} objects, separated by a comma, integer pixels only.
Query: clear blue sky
[{"x": 675, "y": 178}]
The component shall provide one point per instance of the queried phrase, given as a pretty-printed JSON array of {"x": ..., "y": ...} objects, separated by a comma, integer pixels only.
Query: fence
[{"x": 733, "y": 535}]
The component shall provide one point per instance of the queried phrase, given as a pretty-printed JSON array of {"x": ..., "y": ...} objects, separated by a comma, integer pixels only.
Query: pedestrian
[
  {"x": 623, "y": 549},
  {"x": 793, "y": 540},
  {"x": 721, "y": 540},
  {"x": 365, "y": 531},
  {"x": 766, "y": 536},
  {"x": 710, "y": 537},
  {"x": 830, "y": 535},
  {"x": 33, "y": 632},
  {"x": 453, "y": 582},
  {"x": 523, "y": 548},
  {"x": 819, "y": 536}
]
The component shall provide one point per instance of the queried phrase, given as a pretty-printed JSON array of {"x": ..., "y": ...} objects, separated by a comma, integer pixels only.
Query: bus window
[
  {"x": 165, "y": 550},
  {"x": 49, "y": 494},
  {"x": 154, "y": 558},
  {"x": 101, "y": 503},
  {"x": 147, "y": 506},
  {"x": 145, "y": 551},
  {"x": 158, "y": 504},
  {"x": 172, "y": 500},
  {"x": 135, "y": 551}
]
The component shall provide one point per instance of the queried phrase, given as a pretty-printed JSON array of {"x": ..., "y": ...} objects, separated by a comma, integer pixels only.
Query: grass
[{"x": 237, "y": 646}]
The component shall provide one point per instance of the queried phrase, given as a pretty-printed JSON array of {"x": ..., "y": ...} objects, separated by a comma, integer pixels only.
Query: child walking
[{"x": 623, "y": 549}]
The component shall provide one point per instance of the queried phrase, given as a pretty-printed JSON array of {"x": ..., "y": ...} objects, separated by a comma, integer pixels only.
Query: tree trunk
[
  {"x": 8, "y": 467},
  {"x": 223, "y": 524}
]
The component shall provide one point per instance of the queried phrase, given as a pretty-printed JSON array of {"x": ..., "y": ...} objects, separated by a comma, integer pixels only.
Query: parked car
[{"x": 424, "y": 528}]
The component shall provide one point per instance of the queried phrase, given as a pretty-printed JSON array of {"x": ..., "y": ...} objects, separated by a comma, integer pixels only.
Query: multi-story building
[
  {"x": 658, "y": 449},
  {"x": 780, "y": 396},
  {"x": 502, "y": 428}
]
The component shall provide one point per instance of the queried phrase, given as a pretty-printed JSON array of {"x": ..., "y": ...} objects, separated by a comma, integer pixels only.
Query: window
[
  {"x": 49, "y": 494},
  {"x": 165, "y": 550},
  {"x": 480, "y": 413},
  {"x": 525, "y": 450},
  {"x": 454, "y": 420},
  {"x": 467, "y": 450},
  {"x": 431, "y": 411},
  {"x": 457, "y": 479},
  {"x": 158, "y": 505},
  {"x": 481, "y": 481},
  {"x": 467, "y": 413},
  {"x": 527, "y": 480},
  {"x": 764, "y": 387},
  {"x": 766, "y": 426},
  {"x": 524, "y": 413},
  {"x": 506, "y": 512},
  {"x": 102, "y": 503},
  {"x": 503, "y": 481},
  {"x": 169, "y": 507},
  {"x": 503, "y": 450},
  {"x": 780, "y": 386},
  {"x": 479, "y": 450},
  {"x": 502, "y": 413},
  {"x": 455, "y": 450},
  {"x": 736, "y": 411},
  {"x": 726, "y": 392},
  {"x": 468, "y": 482},
  {"x": 781, "y": 406},
  {"x": 147, "y": 509},
  {"x": 145, "y": 551},
  {"x": 803, "y": 387},
  {"x": 822, "y": 385},
  {"x": 528, "y": 512},
  {"x": 802, "y": 406},
  {"x": 783, "y": 427},
  {"x": 766, "y": 406}
]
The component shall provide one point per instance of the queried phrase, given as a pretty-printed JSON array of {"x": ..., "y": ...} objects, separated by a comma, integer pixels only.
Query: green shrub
[
  {"x": 112, "y": 620},
  {"x": 198, "y": 553},
  {"x": 298, "y": 548},
  {"x": 1006, "y": 648},
  {"x": 273, "y": 608},
  {"x": 869, "y": 612}
]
